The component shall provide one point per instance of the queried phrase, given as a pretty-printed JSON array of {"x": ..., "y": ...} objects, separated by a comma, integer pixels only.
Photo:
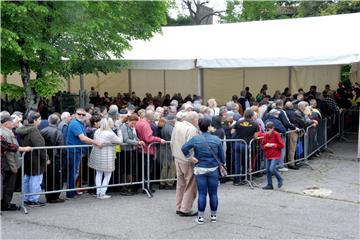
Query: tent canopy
[{"x": 309, "y": 41}]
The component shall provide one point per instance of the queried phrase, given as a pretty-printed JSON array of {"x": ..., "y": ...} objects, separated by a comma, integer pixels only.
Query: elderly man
[
  {"x": 64, "y": 124},
  {"x": 76, "y": 135},
  {"x": 185, "y": 186},
  {"x": 10, "y": 161},
  {"x": 53, "y": 137}
]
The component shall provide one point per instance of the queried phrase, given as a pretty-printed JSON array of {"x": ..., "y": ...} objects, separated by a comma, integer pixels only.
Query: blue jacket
[
  {"x": 202, "y": 151},
  {"x": 279, "y": 127}
]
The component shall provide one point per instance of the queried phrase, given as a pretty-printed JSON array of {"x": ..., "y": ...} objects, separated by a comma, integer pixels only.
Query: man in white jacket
[{"x": 185, "y": 186}]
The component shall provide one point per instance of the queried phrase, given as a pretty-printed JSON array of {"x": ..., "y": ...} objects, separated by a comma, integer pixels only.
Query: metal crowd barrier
[
  {"x": 129, "y": 169},
  {"x": 244, "y": 161},
  {"x": 161, "y": 165},
  {"x": 349, "y": 121}
]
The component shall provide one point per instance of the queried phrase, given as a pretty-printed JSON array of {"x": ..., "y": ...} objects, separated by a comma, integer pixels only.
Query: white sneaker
[
  {"x": 103, "y": 196},
  {"x": 213, "y": 218},
  {"x": 199, "y": 220},
  {"x": 283, "y": 169}
]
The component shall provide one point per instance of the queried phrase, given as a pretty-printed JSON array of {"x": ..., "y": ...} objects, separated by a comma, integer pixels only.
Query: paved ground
[{"x": 243, "y": 213}]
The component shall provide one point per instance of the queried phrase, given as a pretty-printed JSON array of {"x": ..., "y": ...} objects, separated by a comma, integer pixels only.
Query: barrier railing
[
  {"x": 54, "y": 166},
  {"x": 349, "y": 121},
  {"x": 244, "y": 161},
  {"x": 161, "y": 164}
]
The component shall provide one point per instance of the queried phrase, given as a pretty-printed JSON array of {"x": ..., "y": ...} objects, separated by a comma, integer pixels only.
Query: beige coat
[
  {"x": 182, "y": 132},
  {"x": 103, "y": 159}
]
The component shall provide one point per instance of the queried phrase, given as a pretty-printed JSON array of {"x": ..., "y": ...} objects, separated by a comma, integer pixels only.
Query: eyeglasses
[{"x": 81, "y": 114}]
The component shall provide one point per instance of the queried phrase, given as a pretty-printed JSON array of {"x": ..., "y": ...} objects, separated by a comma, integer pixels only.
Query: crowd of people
[{"x": 187, "y": 123}]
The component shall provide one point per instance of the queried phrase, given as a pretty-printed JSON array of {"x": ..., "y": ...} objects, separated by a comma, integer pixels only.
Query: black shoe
[
  {"x": 162, "y": 187},
  {"x": 280, "y": 184},
  {"x": 188, "y": 214},
  {"x": 10, "y": 207},
  {"x": 293, "y": 167},
  {"x": 178, "y": 212},
  {"x": 58, "y": 200},
  {"x": 36, "y": 204},
  {"x": 268, "y": 187}
]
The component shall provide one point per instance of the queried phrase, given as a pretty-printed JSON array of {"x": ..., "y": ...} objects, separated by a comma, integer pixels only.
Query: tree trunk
[{"x": 29, "y": 95}]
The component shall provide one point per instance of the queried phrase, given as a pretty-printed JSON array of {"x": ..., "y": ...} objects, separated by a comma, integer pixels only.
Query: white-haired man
[{"x": 185, "y": 186}]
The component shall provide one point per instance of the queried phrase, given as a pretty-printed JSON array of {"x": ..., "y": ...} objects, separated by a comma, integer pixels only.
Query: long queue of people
[{"x": 190, "y": 125}]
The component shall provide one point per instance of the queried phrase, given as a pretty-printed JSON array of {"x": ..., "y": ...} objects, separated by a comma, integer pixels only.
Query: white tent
[{"x": 312, "y": 41}]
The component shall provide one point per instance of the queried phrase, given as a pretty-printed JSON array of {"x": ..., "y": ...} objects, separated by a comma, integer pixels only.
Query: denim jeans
[
  {"x": 74, "y": 159},
  {"x": 32, "y": 184},
  {"x": 272, "y": 170},
  {"x": 283, "y": 152},
  {"x": 207, "y": 183},
  {"x": 239, "y": 160}
]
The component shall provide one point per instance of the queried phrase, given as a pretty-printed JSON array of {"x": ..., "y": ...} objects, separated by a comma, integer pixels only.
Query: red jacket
[
  {"x": 144, "y": 133},
  {"x": 272, "y": 153}
]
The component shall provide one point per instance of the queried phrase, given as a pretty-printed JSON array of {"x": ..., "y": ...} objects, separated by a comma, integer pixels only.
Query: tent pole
[
  {"x": 164, "y": 77},
  {"x": 358, "y": 151},
  {"x": 200, "y": 82},
  {"x": 244, "y": 81},
  {"x": 82, "y": 92},
  {"x": 129, "y": 79},
  {"x": 290, "y": 79}
]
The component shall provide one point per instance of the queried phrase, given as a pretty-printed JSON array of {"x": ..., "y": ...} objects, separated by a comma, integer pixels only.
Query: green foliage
[
  {"x": 12, "y": 90},
  {"x": 63, "y": 38},
  {"x": 179, "y": 21},
  {"x": 47, "y": 86},
  {"x": 238, "y": 11},
  {"x": 259, "y": 10}
]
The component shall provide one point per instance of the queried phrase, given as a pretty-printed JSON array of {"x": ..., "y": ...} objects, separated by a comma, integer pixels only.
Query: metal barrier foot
[
  {"x": 147, "y": 192},
  {"x": 24, "y": 209},
  {"x": 250, "y": 183},
  {"x": 305, "y": 163},
  {"x": 329, "y": 150}
]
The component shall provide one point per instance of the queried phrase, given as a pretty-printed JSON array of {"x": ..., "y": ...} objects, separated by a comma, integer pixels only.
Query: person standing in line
[
  {"x": 76, "y": 135},
  {"x": 9, "y": 161},
  {"x": 185, "y": 185},
  {"x": 208, "y": 155},
  {"x": 272, "y": 145},
  {"x": 103, "y": 159},
  {"x": 53, "y": 177},
  {"x": 36, "y": 161}
]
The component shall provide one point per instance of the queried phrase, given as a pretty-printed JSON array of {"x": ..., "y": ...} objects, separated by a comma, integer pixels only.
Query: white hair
[
  {"x": 106, "y": 124},
  {"x": 65, "y": 115}
]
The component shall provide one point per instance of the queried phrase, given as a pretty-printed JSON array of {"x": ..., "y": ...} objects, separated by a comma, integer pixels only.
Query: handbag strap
[{"x": 212, "y": 151}]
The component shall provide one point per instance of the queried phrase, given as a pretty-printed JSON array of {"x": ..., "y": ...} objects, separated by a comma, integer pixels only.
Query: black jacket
[
  {"x": 54, "y": 137},
  {"x": 300, "y": 120},
  {"x": 35, "y": 161}
]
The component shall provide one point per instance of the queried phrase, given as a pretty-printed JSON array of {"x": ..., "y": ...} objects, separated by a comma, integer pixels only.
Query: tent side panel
[
  {"x": 181, "y": 81},
  {"x": 147, "y": 81},
  {"x": 304, "y": 77},
  {"x": 221, "y": 84},
  {"x": 276, "y": 78},
  {"x": 113, "y": 83}
]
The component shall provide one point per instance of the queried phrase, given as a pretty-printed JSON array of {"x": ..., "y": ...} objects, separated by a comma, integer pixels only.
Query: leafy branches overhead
[{"x": 62, "y": 38}]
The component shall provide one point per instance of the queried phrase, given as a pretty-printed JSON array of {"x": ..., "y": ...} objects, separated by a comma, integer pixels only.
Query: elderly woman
[
  {"x": 103, "y": 159},
  {"x": 130, "y": 150},
  {"x": 208, "y": 155}
]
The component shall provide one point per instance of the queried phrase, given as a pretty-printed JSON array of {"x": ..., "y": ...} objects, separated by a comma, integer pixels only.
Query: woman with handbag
[{"x": 208, "y": 159}]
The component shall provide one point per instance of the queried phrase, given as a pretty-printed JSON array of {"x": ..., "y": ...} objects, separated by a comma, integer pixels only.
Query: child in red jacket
[{"x": 272, "y": 145}]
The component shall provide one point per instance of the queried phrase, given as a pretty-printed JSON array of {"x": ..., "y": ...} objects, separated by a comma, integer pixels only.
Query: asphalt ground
[{"x": 243, "y": 213}]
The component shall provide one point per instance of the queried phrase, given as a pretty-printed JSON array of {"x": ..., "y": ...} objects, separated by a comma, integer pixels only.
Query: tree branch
[{"x": 216, "y": 13}]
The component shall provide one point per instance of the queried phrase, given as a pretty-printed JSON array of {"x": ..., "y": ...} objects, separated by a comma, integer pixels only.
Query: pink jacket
[{"x": 144, "y": 133}]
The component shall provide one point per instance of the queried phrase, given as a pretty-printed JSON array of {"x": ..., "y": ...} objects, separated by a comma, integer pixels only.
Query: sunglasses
[{"x": 81, "y": 114}]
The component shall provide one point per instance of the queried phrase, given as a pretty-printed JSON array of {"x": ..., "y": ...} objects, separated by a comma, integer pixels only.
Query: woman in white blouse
[{"x": 103, "y": 159}]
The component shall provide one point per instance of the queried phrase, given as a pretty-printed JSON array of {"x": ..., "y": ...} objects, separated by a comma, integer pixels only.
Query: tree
[
  {"x": 199, "y": 11},
  {"x": 59, "y": 39},
  {"x": 247, "y": 10}
]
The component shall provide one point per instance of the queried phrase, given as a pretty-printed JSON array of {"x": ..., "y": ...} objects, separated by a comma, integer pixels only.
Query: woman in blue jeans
[{"x": 208, "y": 154}]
